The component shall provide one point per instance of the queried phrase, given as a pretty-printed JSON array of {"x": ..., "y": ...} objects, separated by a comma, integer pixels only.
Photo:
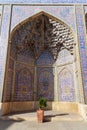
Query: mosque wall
[{"x": 11, "y": 64}]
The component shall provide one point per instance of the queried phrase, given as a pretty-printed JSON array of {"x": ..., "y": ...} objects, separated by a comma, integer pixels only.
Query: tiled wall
[
  {"x": 85, "y": 11},
  {"x": 66, "y": 84},
  {"x": 65, "y": 13},
  {"x": 82, "y": 45},
  {"x": 44, "y": 88},
  {"x": 1, "y": 51},
  {"x": 45, "y": 59},
  {"x": 26, "y": 58},
  {"x": 44, "y": 1},
  {"x": 4, "y": 44},
  {"x": 24, "y": 84},
  {"x": 45, "y": 78},
  {"x": 7, "y": 96},
  {"x": 45, "y": 83},
  {"x": 20, "y": 13}
]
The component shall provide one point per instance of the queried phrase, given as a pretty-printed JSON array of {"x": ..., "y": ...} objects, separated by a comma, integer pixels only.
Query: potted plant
[{"x": 40, "y": 112}]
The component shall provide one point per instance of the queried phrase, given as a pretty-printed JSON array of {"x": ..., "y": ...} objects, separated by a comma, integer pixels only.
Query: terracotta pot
[{"x": 40, "y": 115}]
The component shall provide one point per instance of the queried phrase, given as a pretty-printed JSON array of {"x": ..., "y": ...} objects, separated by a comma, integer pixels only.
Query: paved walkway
[{"x": 57, "y": 121}]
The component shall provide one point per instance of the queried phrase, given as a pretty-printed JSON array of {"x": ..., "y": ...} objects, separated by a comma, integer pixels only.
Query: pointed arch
[
  {"x": 66, "y": 86},
  {"x": 39, "y": 35},
  {"x": 46, "y": 84},
  {"x": 45, "y": 58},
  {"x": 35, "y": 16},
  {"x": 43, "y": 31}
]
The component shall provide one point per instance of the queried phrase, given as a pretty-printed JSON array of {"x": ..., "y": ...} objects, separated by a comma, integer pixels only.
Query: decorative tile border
[
  {"x": 82, "y": 45},
  {"x": 4, "y": 44},
  {"x": 43, "y": 1}
]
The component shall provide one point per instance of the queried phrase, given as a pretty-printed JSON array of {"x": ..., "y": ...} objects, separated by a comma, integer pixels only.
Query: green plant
[{"x": 42, "y": 103}]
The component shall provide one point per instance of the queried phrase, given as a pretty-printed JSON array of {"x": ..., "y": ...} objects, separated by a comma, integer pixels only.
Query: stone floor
[
  {"x": 48, "y": 116},
  {"x": 54, "y": 120}
]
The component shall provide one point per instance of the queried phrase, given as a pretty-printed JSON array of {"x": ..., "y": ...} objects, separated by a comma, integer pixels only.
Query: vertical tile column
[
  {"x": 4, "y": 44},
  {"x": 56, "y": 89},
  {"x": 82, "y": 47}
]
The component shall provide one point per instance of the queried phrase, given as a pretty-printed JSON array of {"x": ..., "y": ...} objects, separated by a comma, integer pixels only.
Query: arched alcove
[
  {"x": 24, "y": 85},
  {"x": 66, "y": 86},
  {"x": 45, "y": 58},
  {"x": 46, "y": 85},
  {"x": 36, "y": 47}
]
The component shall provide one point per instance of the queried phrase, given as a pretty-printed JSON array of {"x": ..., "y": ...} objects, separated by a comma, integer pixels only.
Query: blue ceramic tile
[{"x": 43, "y": 1}]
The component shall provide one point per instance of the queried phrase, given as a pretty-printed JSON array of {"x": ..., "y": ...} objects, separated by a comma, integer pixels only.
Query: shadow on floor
[
  {"x": 20, "y": 112},
  {"x": 5, "y": 122},
  {"x": 48, "y": 118}
]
